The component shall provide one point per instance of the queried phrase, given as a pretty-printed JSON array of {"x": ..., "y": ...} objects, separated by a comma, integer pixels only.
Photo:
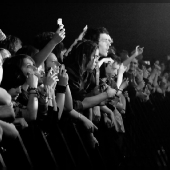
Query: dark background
[{"x": 129, "y": 24}]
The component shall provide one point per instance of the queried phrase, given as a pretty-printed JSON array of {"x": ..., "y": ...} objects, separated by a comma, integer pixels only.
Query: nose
[{"x": 57, "y": 63}]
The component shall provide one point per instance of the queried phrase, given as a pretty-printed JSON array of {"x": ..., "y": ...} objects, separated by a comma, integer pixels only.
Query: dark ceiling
[{"x": 129, "y": 24}]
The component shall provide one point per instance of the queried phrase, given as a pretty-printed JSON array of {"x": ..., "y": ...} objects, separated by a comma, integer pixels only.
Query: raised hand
[
  {"x": 138, "y": 50},
  {"x": 59, "y": 35},
  {"x": 2, "y": 36},
  {"x": 63, "y": 76},
  {"x": 51, "y": 78},
  {"x": 80, "y": 37},
  {"x": 124, "y": 84},
  {"x": 122, "y": 68}
]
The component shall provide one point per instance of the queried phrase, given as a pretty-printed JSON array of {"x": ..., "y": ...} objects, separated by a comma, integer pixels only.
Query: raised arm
[
  {"x": 43, "y": 54},
  {"x": 137, "y": 52},
  {"x": 80, "y": 37}
]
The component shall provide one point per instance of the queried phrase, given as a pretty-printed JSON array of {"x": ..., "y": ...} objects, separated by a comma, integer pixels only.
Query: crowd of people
[{"x": 113, "y": 101}]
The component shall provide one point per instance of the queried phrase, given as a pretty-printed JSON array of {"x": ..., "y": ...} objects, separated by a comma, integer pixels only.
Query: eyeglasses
[{"x": 110, "y": 41}]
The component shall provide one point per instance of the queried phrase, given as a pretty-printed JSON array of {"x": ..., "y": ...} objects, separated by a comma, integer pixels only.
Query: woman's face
[
  {"x": 112, "y": 68},
  {"x": 28, "y": 66},
  {"x": 94, "y": 59},
  {"x": 104, "y": 44},
  {"x": 52, "y": 61}
]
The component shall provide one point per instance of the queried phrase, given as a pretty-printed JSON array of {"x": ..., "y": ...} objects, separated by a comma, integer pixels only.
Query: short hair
[
  {"x": 75, "y": 59},
  {"x": 94, "y": 34},
  {"x": 10, "y": 43},
  {"x": 28, "y": 50},
  {"x": 42, "y": 39}
]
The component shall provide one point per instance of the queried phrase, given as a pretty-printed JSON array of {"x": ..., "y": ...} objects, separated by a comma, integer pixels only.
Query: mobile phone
[{"x": 59, "y": 21}]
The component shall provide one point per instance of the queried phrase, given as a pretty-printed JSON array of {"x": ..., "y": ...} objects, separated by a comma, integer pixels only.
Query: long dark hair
[
  {"x": 75, "y": 59},
  {"x": 13, "y": 76}
]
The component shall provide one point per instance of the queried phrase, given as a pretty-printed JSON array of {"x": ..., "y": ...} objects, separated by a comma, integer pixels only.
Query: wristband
[
  {"x": 60, "y": 89},
  {"x": 117, "y": 92}
]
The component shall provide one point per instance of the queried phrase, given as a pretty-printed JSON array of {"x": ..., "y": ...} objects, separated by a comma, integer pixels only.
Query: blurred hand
[
  {"x": 80, "y": 37},
  {"x": 21, "y": 122},
  {"x": 63, "y": 77},
  {"x": 96, "y": 114},
  {"x": 113, "y": 121},
  {"x": 2, "y": 36},
  {"x": 110, "y": 92},
  {"x": 51, "y": 78},
  {"x": 107, "y": 122},
  {"x": 124, "y": 84},
  {"x": 88, "y": 124},
  {"x": 141, "y": 95},
  {"x": 138, "y": 50}
]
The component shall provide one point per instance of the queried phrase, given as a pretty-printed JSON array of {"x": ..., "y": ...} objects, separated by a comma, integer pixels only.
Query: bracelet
[
  {"x": 117, "y": 92},
  {"x": 50, "y": 98},
  {"x": 60, "y": 89}
]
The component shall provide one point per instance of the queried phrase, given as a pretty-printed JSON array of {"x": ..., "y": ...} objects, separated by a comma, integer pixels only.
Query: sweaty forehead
[{"x": 104, "y": 36}]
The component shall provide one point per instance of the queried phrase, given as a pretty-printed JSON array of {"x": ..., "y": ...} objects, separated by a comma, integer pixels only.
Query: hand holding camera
[
  {"x": 63, "y": 76},
  {"x": 60, "y": 33}
]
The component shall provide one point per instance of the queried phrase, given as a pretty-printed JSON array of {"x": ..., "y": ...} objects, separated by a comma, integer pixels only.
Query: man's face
[
  {"x": 104, "y": 44},
  {"x": 112, "y": 68}
]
